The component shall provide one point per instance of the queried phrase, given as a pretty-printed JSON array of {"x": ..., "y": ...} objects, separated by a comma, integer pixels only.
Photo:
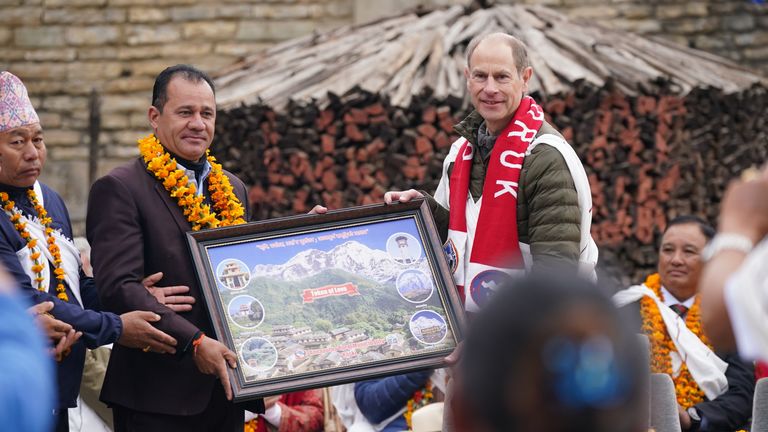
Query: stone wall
[{"x": 64, "y": 49}]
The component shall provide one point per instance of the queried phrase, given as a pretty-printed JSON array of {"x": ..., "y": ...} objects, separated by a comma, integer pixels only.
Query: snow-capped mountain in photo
[{"x": 352, "y": 256}]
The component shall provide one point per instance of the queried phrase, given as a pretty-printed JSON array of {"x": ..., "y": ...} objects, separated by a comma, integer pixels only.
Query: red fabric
[
  {"x": 761, "y": 370},
  {"x": 302, "y": 411},
  {"x": 496, "y": 242}
]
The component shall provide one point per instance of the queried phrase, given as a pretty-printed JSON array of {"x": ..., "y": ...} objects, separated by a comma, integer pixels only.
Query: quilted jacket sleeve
[{"x": 552, "y": 213}]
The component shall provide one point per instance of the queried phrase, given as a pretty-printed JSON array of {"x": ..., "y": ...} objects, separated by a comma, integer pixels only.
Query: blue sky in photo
[{"x": 250, "y": 253}]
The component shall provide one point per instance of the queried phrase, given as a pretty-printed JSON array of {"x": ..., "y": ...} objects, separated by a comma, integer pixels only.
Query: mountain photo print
[{"x": 331, "y": 298}]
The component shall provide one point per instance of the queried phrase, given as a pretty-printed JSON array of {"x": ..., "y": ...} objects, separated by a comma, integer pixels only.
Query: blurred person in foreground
[
  {"x": 714, "y": 391},
  {"x": 550, "y": 354},
  {"x": 27, "y": 378},
  {"x": 734, "y": 285}
]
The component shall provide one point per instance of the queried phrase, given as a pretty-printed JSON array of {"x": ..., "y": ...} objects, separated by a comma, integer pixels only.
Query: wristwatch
[
  {"x": 695, "y": 418},
  {"x": 727, "y": 241}
]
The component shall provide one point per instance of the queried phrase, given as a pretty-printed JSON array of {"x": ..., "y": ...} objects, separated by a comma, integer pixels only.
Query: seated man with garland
[{"x": 714, "y": 391}]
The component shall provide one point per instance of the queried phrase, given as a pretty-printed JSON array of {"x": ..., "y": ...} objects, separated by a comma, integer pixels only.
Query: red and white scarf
[{"x": 495, "y": 249}]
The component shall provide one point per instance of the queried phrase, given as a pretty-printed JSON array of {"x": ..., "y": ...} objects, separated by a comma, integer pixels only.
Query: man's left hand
[
  {"x": 139, "y": 333},
  {"x": 318, "y": 209},
  {"x": 55, "y": 329},
  {"x": 169, "y": 295},
  {"x": 212, "y": 358},
  {"x": 393, "y": 197}
]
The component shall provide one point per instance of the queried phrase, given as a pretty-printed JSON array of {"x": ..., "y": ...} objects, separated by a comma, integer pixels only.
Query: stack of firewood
[{"x": 660, "y": 129}]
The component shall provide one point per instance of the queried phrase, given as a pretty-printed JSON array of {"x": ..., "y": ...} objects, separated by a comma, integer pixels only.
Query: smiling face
[
  {"x": 494, "y": 83},
  {"x": 680, "y": 259},
  {"x": 22, "y": 155},
  {"x": 187, "y": 121}
]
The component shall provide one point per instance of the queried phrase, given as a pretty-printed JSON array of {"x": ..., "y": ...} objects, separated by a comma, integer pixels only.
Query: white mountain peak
[{"x": 351, "y": 256}]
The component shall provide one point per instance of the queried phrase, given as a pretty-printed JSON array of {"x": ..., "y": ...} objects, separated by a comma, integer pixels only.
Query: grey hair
[{"x": 519, "y": 50}]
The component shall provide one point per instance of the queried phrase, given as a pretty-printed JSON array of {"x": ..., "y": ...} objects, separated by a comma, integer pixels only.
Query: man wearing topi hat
[{"x": 37, "y": 250}]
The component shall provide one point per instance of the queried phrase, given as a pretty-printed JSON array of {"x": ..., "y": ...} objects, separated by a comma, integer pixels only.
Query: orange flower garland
[
  {"x": 252, "y": 425},
  {"x": 227, "y": 209},
  {"x": 420, "y": 398},
  {"x": 35, "y": 255},
  {"x": 688, "y": 392}
]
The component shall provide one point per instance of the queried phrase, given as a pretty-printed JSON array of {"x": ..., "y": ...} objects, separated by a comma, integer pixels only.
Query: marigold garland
[
  {"x": 227, "y": 209},
  {"x": 686, "y": 388},
  {"x": 419, "y": 399},
  {"x": 252, "y": 425},
  {"x": 37, "y": 265}
]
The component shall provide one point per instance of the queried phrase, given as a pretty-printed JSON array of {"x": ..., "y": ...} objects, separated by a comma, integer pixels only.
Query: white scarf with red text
[{"x": 495, "y": 249}]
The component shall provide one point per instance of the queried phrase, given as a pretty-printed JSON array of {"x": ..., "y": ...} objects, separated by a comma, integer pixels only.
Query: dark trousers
[{"x": 219, "y": 416}]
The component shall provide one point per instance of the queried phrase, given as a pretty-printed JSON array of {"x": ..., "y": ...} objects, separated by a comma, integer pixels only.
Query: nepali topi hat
[{"x": 15, "y": 107}]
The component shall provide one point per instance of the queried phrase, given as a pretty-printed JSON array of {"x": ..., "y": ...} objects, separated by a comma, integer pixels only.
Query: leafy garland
[
  {"x": 37, "y": 265},
  {"x": 687, "y": 390},
  {"x": 227, "y": 209},
  {"x": 419, "y": 399}
]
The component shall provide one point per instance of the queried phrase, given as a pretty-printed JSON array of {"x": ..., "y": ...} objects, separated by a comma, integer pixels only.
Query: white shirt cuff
[{"x": 273, "y": 414}]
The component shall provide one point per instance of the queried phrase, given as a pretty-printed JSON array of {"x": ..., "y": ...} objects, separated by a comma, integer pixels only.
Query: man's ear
[
  {"x": 466, "y": 75},
  {"x": 526, "y": 76},
  {"x": 152, "y": 115}
]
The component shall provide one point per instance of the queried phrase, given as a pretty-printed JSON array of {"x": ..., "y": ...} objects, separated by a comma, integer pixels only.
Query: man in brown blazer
[{"x": 136, "y": 228}]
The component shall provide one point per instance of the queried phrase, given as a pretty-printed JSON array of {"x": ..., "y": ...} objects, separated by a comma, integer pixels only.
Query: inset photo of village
[
  {"x": 246, "y": 311},
  {"x": 330, "y": 299},
  {"x": 258, "y": 354}
]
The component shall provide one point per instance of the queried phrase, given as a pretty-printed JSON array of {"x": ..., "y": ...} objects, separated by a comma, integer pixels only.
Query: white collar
[
  {"x": 191, "y": 175},
  {"x": 670, "y": 299}
]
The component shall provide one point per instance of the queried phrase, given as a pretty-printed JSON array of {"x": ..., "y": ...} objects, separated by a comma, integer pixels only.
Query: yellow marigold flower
[{"x": 179, "y": 187}]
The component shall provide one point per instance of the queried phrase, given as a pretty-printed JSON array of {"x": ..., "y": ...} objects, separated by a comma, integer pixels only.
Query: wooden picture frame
[{"x": 316, "y": 300}]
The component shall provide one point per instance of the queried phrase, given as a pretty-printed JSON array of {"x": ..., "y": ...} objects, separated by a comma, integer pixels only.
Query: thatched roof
[{"x": 401, "y": 56}]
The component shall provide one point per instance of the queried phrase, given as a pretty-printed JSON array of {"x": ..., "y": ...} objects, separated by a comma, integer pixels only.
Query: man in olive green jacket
[{"x": 539, "y": 176}]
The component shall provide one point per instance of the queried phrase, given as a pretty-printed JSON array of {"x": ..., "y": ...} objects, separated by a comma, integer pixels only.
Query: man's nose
[
  {"x": 491, "y": 86},
  {"x": 30, "y": 152},
  {"x": 677, "y": 257},
  {"x": 196, "y": 122}
]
